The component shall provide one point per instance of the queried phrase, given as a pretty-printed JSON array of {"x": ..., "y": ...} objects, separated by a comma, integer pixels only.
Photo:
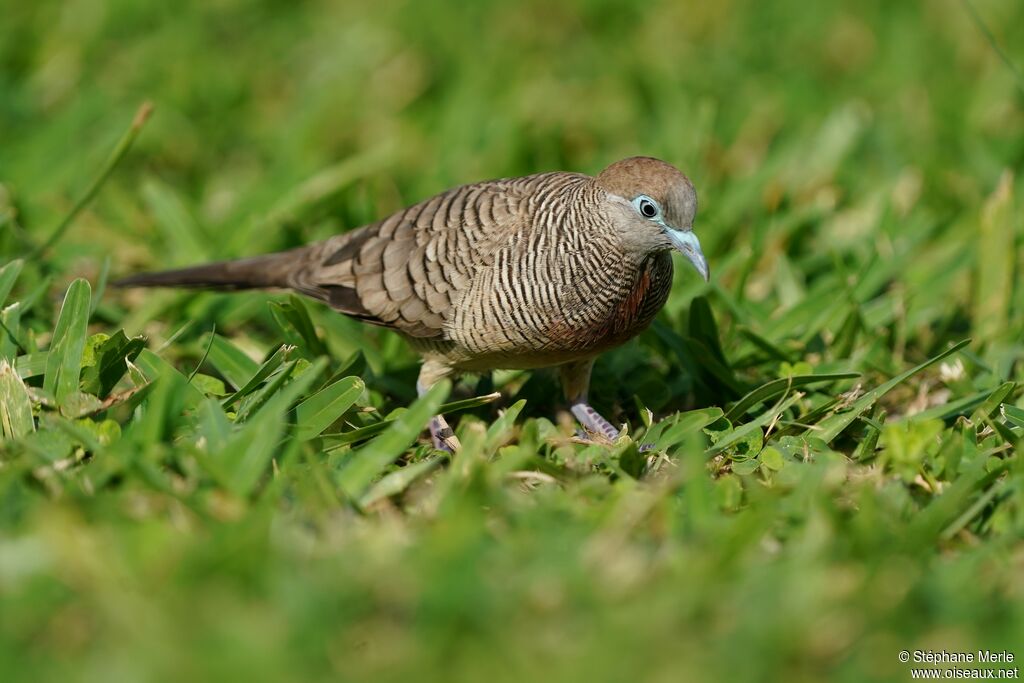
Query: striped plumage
[{"x": 548, "y": 269}]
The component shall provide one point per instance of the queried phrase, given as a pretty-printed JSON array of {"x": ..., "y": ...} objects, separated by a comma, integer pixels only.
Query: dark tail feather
[{"x": 272, "y": 270}]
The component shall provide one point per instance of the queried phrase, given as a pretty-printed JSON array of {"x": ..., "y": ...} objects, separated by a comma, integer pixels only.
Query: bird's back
[
  {"x": 516, "y": 273},
  {"x": 520, "y": 272}
]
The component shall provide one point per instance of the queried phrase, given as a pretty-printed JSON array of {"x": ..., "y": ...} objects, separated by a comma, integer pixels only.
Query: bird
[{"x": 544, "y": 270}]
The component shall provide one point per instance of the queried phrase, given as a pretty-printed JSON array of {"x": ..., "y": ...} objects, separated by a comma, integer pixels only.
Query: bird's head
[{"x": 653, "y": 206}]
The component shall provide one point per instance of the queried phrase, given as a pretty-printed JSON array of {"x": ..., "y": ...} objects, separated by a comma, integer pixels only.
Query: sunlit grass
[{"x": 211, "y": 486}]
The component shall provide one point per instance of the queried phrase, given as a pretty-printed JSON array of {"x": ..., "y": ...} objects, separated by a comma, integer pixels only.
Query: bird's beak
[{"x": 689, "y": 246}]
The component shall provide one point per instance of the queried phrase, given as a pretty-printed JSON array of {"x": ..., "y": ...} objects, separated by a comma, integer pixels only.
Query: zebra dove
[{"x": 545, "y": 270}]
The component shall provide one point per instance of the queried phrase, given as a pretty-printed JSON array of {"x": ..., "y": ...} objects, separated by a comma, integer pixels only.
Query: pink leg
[{"x": 575, "y": 384}]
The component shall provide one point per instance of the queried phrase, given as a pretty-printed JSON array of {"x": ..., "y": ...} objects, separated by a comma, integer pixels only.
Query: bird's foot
[
  {"x": 593, "y": 423},
  {"x": 442, "y": 436},
  {"x": 586, "y": 437}
]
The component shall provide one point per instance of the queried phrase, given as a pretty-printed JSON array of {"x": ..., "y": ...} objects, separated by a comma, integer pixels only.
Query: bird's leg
[
  {"x": 575, "y": 383},
  {"x": 441, "y": 434}
]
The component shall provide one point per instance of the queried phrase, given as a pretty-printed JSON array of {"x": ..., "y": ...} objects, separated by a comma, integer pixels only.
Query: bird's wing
[{"x": 405, "y": 271}]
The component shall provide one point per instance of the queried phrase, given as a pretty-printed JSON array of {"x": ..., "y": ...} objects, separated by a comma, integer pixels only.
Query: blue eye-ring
[{"x": 647, "y": 207}]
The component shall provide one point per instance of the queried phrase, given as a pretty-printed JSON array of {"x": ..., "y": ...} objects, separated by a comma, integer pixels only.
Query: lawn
[{"x": 208, "y": 486}]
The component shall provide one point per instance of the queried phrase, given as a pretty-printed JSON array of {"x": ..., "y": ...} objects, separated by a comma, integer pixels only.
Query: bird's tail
[{"x": 260, "y": 272}]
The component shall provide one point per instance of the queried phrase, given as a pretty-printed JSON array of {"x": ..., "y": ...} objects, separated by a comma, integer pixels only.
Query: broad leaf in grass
[
  {"x": 10, "y": 331},
  {"x": 746, "y": 447},
  {"x": 231, "y": 361},
  {"x": 748, "y": 466},
  {"x": 702, "y": 327},
  {"x": 500, "y": 431},
  {"x": 80, "y": 404},
  {"x": 260, "y": 374},
  {"x": 103, "y": 433},
  {"x": 245, "y": 457},
  {"x": 673, "y": 430},
  {"x": 110, "y": 362},
  {"x": 371, "y": 460},
  {"x": 1013, "y": 415},
  {"x": 632, "y": 461},
  {"x": 213, "y": 426},
  {"x": 15, "y": 404},
  {"x": 398, "y": 481},
  {"x": 154, "y": 367},
  {"x": 320, "y": 410},
  {"x": 211, "y": 386},
  {"x": 295, "y": 323},
  {"x": 64, "y": 361},
  {"x": 771, "y": 458},
  {"x": 729, "y": 491},
  {"x": 256, "y": 400}
]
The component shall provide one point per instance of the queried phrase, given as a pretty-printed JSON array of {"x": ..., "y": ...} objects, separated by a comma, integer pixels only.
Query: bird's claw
[
  {"x": 442, "y": 436},
  {"x": 585, "y": 437}
]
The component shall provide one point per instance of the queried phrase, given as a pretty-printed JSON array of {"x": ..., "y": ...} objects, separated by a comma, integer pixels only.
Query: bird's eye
[{"x": 647, "y": 207}]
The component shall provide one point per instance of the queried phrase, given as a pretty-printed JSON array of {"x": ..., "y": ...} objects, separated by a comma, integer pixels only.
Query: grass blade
[
  {"x": 64, "y": 361},
  {"x": 320, "y": 410},
  {"x": 996, "y": 257},
  {"x": 372, "y": 459},
  {"x": 768, "y": 391},
  {"x": 399, "y": 480},
  {"x": 260, "y": 375},
  {"x": 740, "y": 433},
  {"x": 295, "y": 323},
  {"x": 15, "y": 404},
  {"x": 112, "y": 358},
  {"x": 991, "y": 405},
  {"x": 31, "y": 365},
  {"x": 230, "y": 361},
  {"x": 8, "y": 275},
  {"x": 829, "y": 428},
  {"x": 362, "y": 433},
  {"x": 1013, "y": 415},
  {"x": 154, "y": 367},
  {"x": 123, "y": 145},
  {"x": 178, "y": 227},
  {"x": 249, "y": 451},
  {"x": 499, "y": 431},
  {"x": 10, "y": 331}
]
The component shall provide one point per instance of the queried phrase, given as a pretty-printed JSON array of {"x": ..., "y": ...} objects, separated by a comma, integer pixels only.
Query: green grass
[{"x": 199, "y": 486}]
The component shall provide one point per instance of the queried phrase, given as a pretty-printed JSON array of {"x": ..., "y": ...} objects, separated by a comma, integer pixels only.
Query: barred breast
[{"x": 559, "y": 289}]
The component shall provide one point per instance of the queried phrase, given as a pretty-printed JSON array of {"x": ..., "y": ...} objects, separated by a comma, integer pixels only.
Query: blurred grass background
[{"x": 859, "y": 169}]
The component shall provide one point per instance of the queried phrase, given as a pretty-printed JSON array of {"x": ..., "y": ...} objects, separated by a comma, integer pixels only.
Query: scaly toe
[{"x": 442, "y": 436}]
